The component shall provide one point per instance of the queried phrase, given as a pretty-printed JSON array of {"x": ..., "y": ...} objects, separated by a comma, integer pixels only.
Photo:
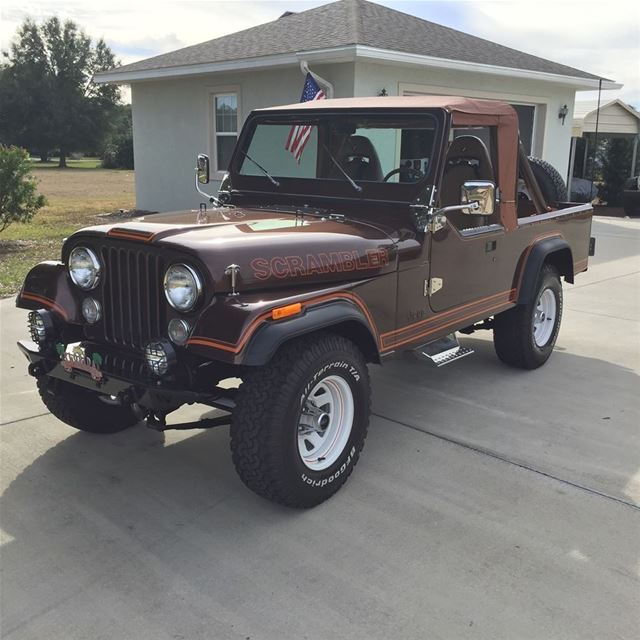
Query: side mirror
[
  {"x": 202, "y": 168},
  {"x": 481, "y": 191}
]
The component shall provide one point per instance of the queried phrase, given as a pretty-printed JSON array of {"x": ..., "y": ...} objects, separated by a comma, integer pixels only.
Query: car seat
[{"x": 467, "y": 159}]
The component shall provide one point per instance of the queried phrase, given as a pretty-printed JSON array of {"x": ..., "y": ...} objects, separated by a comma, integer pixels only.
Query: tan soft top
[
  {"x": 449, "y": 103},
  {"x": 465, "y": 112}
]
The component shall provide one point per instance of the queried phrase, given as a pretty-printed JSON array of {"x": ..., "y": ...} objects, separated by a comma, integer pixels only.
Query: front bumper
[{"x": 124, "y": 376}]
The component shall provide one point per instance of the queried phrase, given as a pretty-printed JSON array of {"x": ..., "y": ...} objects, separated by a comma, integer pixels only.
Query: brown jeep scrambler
[{"x": 345, "y": 232}]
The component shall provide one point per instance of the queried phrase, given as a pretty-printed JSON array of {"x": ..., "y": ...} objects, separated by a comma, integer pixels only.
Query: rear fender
[{"x": 554, "y": 251}]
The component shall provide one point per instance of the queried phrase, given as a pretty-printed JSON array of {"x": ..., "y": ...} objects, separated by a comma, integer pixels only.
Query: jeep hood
[{"x": 271, "y": 248}]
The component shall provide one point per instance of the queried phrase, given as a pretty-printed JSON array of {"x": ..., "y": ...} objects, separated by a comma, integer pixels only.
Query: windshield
[{"x": 379, "y": 154}]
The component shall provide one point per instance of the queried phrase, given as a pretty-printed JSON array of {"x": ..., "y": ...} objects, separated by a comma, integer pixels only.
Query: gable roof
[
  {"x": 343, "y": 24},
  {"x": 615, "y": 117}
]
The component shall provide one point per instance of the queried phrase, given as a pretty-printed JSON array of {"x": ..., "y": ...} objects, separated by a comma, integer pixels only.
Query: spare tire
[{"x": 549, "y": 180}]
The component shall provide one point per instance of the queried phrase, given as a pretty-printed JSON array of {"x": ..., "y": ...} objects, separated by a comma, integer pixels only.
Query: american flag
[{"x": 300, "y": 133}]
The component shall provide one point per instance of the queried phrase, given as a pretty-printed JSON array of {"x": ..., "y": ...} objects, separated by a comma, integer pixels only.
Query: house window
[{"x": 225, "y": 128}]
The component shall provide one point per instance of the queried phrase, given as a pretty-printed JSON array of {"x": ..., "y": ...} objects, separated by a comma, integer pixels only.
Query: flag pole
[{"x": 304, "y": 67}]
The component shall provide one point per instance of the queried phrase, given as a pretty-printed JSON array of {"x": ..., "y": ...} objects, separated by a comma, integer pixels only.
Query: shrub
[
  {"x": 118, "y": 153},
  {"x": 615, "y": 155},
  {"x": 19, "y": 198}
]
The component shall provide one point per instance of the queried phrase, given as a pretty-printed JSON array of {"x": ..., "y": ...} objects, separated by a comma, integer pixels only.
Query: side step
[{"x": 443, "y": 351}]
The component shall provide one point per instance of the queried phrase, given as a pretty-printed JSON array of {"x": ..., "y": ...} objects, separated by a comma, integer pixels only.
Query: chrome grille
[{"x": 133, "y": 299}]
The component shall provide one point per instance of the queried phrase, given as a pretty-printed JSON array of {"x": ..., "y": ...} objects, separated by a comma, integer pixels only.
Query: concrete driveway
[{"x": 489, "y": 503}]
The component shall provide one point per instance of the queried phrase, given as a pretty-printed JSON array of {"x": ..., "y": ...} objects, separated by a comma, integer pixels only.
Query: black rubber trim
[
  {"x": 270, "y": 336},
  {"x": 536, "y": 259}
]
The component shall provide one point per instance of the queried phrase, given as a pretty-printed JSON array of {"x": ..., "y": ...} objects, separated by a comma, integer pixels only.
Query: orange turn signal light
[{"x": 289, "y": 310}]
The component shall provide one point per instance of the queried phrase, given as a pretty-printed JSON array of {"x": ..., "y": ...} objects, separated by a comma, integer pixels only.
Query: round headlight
[
  {"x": 84, "y": 268},
  {"x": 182, "y": 286}
]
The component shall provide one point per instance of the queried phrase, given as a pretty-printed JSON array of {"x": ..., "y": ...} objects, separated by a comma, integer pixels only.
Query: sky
[{"x": 600, "y": 37}]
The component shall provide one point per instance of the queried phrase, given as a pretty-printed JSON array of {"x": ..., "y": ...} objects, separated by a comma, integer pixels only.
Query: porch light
[{"x": 562, "y": 114}]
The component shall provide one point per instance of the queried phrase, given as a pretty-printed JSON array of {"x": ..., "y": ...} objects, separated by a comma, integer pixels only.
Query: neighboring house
[
  {"x": 196, "y": 99},
  {"x": 616, "y": 119}
]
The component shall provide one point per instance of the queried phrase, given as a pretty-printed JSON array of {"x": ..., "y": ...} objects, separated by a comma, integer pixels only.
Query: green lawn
[
  {"x": 75, "y": 198},
  {"x": 52, "y": 163}
]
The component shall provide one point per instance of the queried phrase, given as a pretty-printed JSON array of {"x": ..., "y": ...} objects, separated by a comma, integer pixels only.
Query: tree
[
  {"x": 47, "y": 98},
  {"x": 118, "y": 149},
  {"x": 615, "y": 160},
  {"x": 19, "y": 199}
]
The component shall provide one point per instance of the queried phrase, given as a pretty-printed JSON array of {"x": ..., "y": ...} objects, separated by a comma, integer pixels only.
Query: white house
[{"x": 196, "y": 99}]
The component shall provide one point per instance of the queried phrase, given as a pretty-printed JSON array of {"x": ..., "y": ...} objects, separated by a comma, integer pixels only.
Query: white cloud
[
  {"x": 599, "y": 37},
  {"x": 596, "y": 36}
]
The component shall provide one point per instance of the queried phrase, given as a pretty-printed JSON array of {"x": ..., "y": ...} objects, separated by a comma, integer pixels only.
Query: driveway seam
[
  {"x": 521, "y": 465},
  {"x": 39, "y": 415}
]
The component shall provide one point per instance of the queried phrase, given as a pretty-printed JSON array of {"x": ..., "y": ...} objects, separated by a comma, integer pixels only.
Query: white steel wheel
[
  {"x": 325, "y": 422},
  {"x": 544, "y": 319}
]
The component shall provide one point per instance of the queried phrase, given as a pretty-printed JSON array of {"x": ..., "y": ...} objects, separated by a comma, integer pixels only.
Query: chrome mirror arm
[
  {"x": 432, "y": 219},
  {"x": 473, "y": 206},
  {"x": 210, "y": 198}
]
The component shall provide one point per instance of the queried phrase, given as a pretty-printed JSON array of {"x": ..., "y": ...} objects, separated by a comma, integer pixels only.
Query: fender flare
[
  {"x": 554, "y": 250},
  {"x": 344, "y": 316}
]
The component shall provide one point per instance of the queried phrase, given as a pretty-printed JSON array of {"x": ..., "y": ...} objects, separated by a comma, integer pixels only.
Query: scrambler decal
[{"x": 319, "y": 263}]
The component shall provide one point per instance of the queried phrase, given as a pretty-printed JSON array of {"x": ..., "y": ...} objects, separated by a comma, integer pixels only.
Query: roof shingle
[{"x": 352, "y": 22}]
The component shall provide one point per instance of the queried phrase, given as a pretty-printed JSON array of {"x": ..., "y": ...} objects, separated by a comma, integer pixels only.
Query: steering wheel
[{"x": 413, "y": 175}]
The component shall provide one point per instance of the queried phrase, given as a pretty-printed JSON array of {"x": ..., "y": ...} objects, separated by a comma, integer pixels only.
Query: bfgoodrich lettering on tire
[{"x": 300, "y": 421}]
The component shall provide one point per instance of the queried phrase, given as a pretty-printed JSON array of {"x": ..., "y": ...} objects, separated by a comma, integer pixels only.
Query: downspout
[{"x": 325, "y": 84}]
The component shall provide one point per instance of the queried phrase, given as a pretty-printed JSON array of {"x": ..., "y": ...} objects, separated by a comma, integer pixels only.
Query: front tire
[
  {"x": 301, "y": 420},
  {"x": 83, "y": 409},
  {"x": 524, "y": 336}
]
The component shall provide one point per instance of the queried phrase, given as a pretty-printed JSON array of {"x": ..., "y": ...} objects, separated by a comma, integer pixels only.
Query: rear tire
[
  {"x": 83, "y": 409},
  {"x": 524, "y": 336},
  {"x": 301, "y": 420}
]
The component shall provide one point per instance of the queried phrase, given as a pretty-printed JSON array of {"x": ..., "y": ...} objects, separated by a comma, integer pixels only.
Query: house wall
[
  {"x": 171, "y": 124},
  {"x": 172, "y": 118},
  {"x": 552, "y": 139},
  {"x": 613, "y": 119}
]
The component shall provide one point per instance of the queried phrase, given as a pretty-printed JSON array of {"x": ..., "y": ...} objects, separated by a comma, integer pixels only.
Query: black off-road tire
[
  {"x": 264, "y": 428},
  {"x": 513, "y": 335},
  {"x": 83, "y": 409},
  {"x": 549, "y": 180}
]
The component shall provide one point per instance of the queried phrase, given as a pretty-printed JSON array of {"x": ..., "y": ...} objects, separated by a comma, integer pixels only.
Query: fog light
[
  {"x": 91, "y": 310},
  {"x": 159, "y": 356},
  {"x": 178, "y": 331},
  {"x": 41, "y": 326}
]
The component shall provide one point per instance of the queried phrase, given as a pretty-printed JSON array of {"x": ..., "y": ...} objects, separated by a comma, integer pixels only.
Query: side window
[
  {"x": 484, "y": 133},
  {"x": 225, "y": 128},
  {"x": 468, "y": 158}
]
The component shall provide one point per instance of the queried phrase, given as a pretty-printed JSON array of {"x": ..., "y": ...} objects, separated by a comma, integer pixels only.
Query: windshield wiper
[
  {"x": 357, "y": 187},
  {"x": 266, "y": 173}
]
